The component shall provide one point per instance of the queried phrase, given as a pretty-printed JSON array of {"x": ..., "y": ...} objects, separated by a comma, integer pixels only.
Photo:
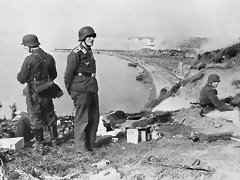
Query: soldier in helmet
[
  {"x": 39, "y": 66},
  {"x": 82, "y": 86},
  {"x": 212, "y": 106}
]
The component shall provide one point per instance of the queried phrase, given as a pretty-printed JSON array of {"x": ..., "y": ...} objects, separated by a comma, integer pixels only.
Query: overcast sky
[{"x": 58, "y": 21}]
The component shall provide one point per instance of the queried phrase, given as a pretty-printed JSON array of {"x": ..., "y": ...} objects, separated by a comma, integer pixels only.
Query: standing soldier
[
  {"x": 82, "y": 86},
  {"x": 39, "y": 66}
]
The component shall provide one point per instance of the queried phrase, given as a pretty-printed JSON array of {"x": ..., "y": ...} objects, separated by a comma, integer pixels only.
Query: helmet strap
[
  {"x": 85, "y": 44},
  {"x": 30, "y": 50}
]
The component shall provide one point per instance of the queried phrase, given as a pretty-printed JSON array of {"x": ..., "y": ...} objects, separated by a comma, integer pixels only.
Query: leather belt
[{"x": 85, "y": 74}]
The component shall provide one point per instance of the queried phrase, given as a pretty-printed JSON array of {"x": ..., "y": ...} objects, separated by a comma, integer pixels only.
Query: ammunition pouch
[{"x": 48, "y": 89}]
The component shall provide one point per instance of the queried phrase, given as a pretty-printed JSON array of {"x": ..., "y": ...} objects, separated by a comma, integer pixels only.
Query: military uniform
[
  {"x": 214, "y": 108},
  {"x": 23, "y": 127},
  {"x": 209, "y": 100},
  {"x": 40, "y": 109},
  {"x": 83, "y": 89}
]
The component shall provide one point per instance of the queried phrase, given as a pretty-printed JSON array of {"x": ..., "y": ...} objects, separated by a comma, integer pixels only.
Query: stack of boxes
[{"x": 135, "y": 135}]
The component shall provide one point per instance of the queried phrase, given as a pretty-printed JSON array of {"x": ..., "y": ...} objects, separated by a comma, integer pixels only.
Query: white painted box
[
  {"x": 16, "y": 143},
  {"x": 133, "y": 136}
]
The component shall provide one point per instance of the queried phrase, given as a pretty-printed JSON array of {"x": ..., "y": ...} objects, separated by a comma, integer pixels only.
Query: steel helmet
[
  {"x": 213, "y": 78},
  {"x": 120, "y": 114},
  {"x": 30, "y": 40},
  {"x": 86, "y": 31}
]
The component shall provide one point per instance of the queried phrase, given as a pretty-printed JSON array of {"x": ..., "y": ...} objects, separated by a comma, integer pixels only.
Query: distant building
[{"x": 149, "y": 46}]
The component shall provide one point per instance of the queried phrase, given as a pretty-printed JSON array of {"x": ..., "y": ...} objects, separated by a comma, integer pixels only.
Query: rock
[{"x": 180, "y": 136}]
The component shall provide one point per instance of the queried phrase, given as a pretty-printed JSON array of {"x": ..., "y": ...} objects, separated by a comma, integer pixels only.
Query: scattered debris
[
  {"x": 196, "y": 165},
  {"x": 2, "y": 171},
  {"x": 115, "y": 139},
  {"x": 16, "y": 143},
  {"x": 139, "y": 77},
  {"x": 108, "y": 174},
  {"x": 156, "y": 135},
  {"x": 133, "y": 64},
  {"x": 204, "y": 137},
  {"x": 102, "y": 164},
  {"x": 235, "y": 139}
]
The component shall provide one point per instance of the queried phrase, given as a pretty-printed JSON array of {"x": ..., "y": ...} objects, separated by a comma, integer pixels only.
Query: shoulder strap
[
  {"x": 44, "y": 65},
  {"x": 39, "y": 55}
]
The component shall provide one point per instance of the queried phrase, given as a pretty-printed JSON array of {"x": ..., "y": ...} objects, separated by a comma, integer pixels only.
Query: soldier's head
[
  {"x": 119, "y": 114},
  {"x": 30, "y": 41},
  {"x": 213, "y": 79},
  {"x": 86, "y": 35}
]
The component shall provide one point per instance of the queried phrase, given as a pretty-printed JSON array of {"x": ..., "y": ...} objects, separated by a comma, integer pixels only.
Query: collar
[
  {"x": 36, "y": 50},
  {"x": 209, "y": 85},
  {"x": 84, "y": 48}
]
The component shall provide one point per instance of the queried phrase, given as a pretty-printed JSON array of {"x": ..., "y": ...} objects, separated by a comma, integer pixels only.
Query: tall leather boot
[
  {"x": 38, "y": 146},
  {"x": 53, "y": 134}
]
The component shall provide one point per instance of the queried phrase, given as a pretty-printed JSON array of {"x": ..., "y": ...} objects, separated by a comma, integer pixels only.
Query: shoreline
[
  {"x": 155, "y": 76},
  {"x": 147, "y": 79}
]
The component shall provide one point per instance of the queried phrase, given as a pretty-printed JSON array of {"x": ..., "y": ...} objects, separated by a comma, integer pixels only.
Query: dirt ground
[
  {"x": 131, "y": 160},
  {"x": 165, "y": 158}
]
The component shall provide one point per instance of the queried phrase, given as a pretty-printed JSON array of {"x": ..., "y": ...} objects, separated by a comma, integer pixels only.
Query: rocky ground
[{"x": 169, "y": 156}]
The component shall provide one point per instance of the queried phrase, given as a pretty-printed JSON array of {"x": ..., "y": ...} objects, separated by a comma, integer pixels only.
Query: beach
[{"x": 154, "y": 74}]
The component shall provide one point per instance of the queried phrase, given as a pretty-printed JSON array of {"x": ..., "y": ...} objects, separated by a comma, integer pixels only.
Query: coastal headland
[{"x": 171, "y": 155}]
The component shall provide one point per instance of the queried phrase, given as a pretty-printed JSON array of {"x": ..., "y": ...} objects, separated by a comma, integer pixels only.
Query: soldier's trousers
[
  {"x": 41, "y": 111},
  {"x": 24, "y": 128},
  {"x": 86, "y": 119}
]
